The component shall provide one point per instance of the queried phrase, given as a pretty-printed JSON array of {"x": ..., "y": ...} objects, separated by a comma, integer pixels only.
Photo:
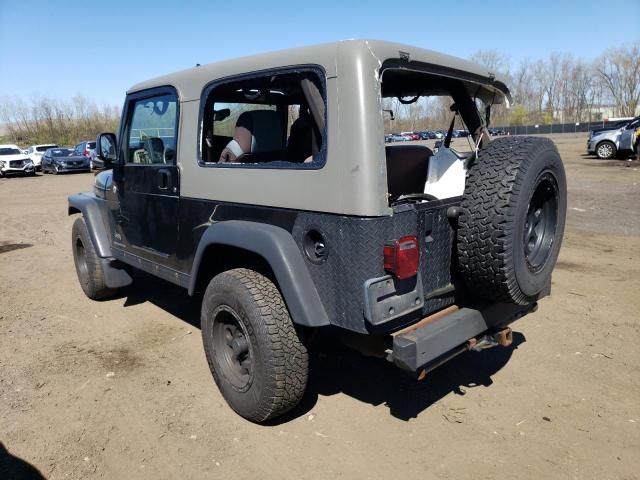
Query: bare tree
[{"x": 619, "y": 69}]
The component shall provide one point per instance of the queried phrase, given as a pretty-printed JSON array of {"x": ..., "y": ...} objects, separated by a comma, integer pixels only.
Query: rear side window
[
  {"x": 151, "y": 133},
  {"x": 275, "y": 119}
]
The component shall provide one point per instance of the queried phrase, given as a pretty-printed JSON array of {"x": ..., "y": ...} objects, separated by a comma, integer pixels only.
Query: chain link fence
[{"x": 555, "y": 128}]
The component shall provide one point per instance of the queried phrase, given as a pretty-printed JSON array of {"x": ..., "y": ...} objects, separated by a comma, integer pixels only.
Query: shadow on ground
[
  {"x": 10, "y": 247},
  {"x": 14, "y": 468},
  {"x": 336, "y": 369}
]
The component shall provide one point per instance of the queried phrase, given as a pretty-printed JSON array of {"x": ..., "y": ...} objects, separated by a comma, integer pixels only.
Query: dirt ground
[{"x": 121, "y": 388}]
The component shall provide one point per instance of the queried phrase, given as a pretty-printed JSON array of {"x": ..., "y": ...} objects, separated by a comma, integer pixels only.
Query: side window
[
  {"x": 270, "y": 120},
  {"x": 151, "y": 133}
]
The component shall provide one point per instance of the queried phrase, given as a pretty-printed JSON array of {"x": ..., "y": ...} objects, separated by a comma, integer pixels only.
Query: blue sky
[{"x": 99, "y": 49}]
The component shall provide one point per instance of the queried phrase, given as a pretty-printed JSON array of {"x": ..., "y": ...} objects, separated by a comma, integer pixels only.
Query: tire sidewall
[
  {"x": 235, "y": 296},
  {"x": 79, "y": 232},
  {"x": 546, "y": 162}
]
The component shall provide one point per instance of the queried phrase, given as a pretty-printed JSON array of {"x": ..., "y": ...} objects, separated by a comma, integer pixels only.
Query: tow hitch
[
  {"x": 444, "y": 335},
  {"x": 503, "y": 338}
]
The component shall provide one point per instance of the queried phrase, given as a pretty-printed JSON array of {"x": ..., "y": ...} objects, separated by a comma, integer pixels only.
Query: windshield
[
  {"x": 9, "y": 151},
  {"x": 44, "y": 148},
  {"x": 61, "y": 152}
]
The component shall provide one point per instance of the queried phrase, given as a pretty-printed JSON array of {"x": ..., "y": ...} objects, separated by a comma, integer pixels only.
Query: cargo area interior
[{"x": 408, "y": 165}]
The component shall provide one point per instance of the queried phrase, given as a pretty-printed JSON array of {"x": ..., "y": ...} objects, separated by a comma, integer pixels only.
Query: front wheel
[
  {"x": 253, "y": 349},
  {"x": 606, "y": 150},
  {"x": 87, "y": 262}
]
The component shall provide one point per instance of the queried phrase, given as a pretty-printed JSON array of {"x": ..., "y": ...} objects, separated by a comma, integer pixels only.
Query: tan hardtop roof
[{"x": 370, "y": 53}]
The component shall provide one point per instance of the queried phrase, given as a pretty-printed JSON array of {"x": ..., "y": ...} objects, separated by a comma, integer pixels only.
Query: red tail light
[{"x": 402, "y": 257}]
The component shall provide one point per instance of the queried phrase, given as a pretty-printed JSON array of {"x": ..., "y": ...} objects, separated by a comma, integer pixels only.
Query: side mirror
[{"x": 106, "y": 148}]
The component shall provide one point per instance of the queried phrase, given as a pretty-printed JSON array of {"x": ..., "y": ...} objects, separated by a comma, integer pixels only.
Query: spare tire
[{"x": 512, "y": 219}]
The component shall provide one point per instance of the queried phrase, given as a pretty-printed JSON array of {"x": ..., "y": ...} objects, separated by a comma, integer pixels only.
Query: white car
[
  {"x": 35, "y": 153},
  {"x": 13, "y": 161}
]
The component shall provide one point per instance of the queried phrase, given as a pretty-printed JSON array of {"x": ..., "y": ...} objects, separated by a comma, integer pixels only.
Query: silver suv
[{"x": 606, "y": 144}]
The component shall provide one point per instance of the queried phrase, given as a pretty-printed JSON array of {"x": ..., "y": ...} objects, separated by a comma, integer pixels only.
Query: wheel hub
[
  {"x": 541, "y": 221},
  {"x": 232, "y": 347},
  {"x": 81, "y": 257},
  {"x": 605, "y": 150}
]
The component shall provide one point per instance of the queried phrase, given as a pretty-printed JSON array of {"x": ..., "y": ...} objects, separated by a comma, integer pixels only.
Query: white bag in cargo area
[{"x": 446, "y": 174}]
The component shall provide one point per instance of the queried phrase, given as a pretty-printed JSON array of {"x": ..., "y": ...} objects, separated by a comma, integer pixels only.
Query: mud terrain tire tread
[{"x": 494, "y": 198}]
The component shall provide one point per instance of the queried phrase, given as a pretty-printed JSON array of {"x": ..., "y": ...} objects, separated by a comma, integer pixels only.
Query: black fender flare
[
  {"x": 93, "y": 209},
  {"x": 278, "y": 248}
]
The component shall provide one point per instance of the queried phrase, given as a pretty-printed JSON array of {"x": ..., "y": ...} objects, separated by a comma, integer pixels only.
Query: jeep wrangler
[{"x": 264, "y": 184}]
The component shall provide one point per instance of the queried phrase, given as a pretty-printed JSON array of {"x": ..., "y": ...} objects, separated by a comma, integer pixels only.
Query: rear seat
[{"x": 407, "y": 169}]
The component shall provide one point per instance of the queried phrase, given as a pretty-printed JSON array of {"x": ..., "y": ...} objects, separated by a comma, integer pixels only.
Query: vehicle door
[
  {"x": 626, "y": 136},
  {"x": 146, "y": 177}
]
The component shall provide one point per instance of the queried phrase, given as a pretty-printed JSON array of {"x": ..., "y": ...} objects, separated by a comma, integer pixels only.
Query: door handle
[{"x": 164, "y": 179}]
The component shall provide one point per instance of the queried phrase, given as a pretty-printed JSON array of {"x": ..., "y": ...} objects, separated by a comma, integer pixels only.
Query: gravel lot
[{"x": 121, "y": 388}]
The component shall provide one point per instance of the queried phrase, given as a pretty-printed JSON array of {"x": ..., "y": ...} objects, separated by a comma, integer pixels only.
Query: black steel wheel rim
[
  {"x": 81, "y": 257},
  {"x": 541, "y": 222},
  {"x": 232, "y": 347}
]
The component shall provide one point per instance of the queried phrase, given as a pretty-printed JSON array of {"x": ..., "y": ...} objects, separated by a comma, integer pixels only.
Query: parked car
[
  {"x": 410, "y": 135},
  {"x": 14, "y": 162},
  {"x": 387, "y": 248},
  {"x": 61, "y": 160},
  {"x": 85, "y": 149},
  {"x": 607, "y": 144},
  {"x": 96, "y": 162},
  {"x": 613, "y": 126},
  {"x": 35, "y": 153},
  {"x": 396, "y": 137}
]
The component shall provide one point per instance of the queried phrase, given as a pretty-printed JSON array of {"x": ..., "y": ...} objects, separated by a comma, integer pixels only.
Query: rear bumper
[{"x": 436, "y": 336}]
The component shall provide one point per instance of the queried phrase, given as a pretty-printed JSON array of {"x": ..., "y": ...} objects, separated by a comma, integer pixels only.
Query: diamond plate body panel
[{"x": 355, "y": 255}]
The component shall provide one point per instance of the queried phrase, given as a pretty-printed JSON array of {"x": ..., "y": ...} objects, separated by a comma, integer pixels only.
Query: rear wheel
[
  {"x": 87, "y": 262},
  {"x": 512, "y": 221},
  {"x": 253, "y": 349},
  {"x": 606, "y": 150}
]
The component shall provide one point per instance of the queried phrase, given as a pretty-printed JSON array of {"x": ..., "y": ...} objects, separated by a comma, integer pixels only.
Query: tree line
[
  {"x": 560, "y": 88},
  {"x": 48, "y": 120}
]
